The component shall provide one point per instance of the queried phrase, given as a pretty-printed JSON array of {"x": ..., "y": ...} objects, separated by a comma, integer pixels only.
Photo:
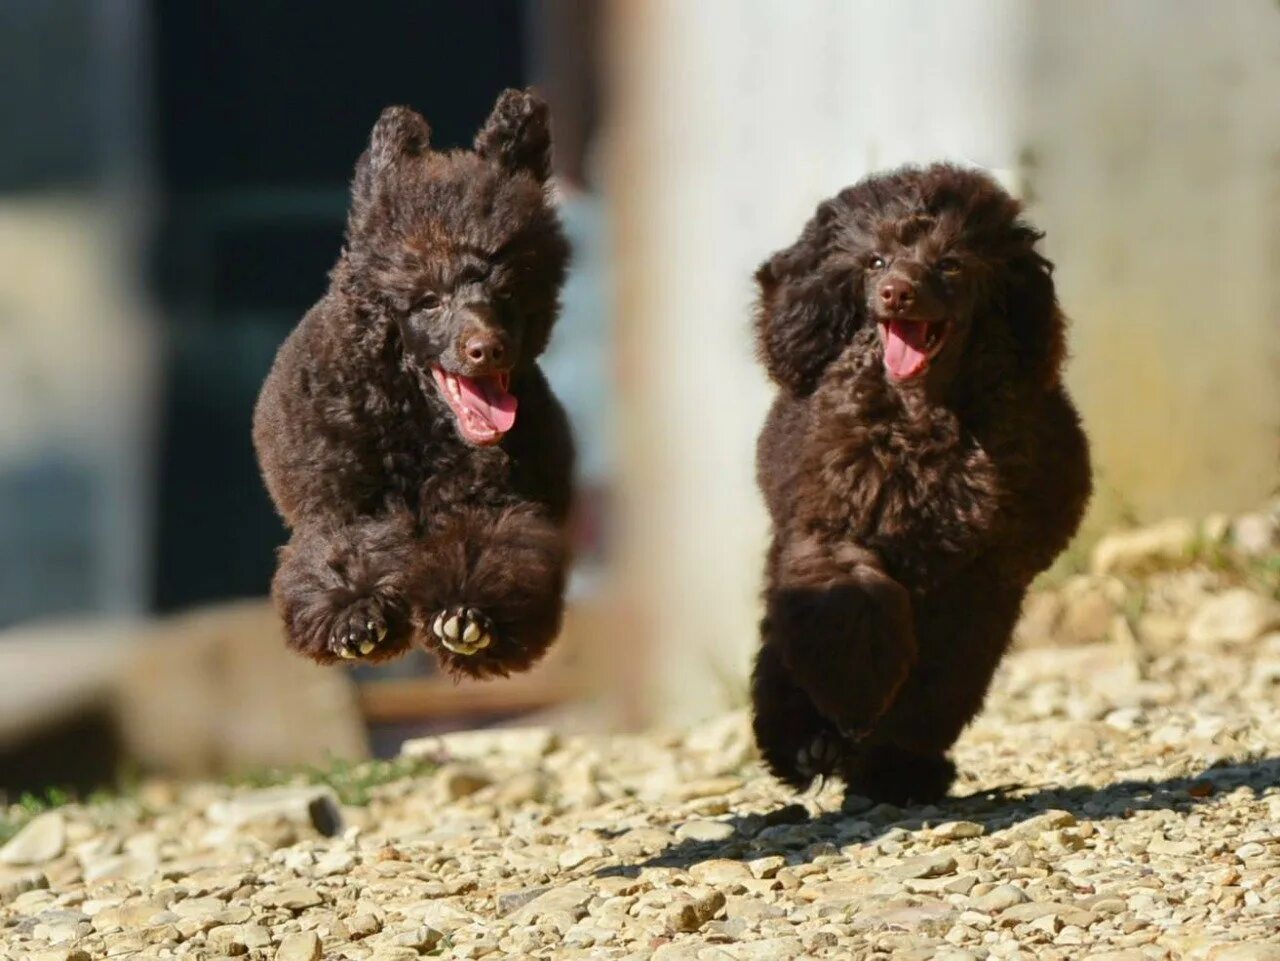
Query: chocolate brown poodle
[
  {"x": 922, "y": 463},
  {"x": 405, "y": 432}
]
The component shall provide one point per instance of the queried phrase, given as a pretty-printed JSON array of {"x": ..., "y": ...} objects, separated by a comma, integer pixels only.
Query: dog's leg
[
  {"x": 945, "y": 691},
  {"x": 341, "y": 588},
  {"x": 491, "y": 591},
  {"x": 843, "y": 629},
  {"x": 797, "y": 743}
]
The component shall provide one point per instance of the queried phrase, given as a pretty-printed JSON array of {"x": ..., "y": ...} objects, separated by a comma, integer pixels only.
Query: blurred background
[{"x": 172, "y": 193}]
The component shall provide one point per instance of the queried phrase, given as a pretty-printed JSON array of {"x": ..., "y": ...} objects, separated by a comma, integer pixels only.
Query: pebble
[
  {"x": 1000, "y": 899},
  {"x": 303, "y": 946},
  {"x": 704, "y": 831},
  {"x": 41, "y": 839},
  {"x": 924, "y": 866}
]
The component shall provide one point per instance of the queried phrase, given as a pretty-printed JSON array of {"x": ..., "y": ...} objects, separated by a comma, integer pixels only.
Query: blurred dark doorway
[{"x": 261, "y": 110}]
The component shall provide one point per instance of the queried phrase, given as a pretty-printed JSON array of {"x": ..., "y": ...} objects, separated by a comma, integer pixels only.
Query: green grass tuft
[{"x": 354, "y": 782}]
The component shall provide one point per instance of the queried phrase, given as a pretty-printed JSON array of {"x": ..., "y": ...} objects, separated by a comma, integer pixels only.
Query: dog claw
[
  {"x": 367, "y": 646},
  {"x": 347, "y": 654},
  {"x": 451, "y": 628},
  {"x": 472, "y": 634}
]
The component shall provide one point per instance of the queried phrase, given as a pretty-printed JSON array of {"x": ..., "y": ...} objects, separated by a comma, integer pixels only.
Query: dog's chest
[{"x": 910, "y": 481}]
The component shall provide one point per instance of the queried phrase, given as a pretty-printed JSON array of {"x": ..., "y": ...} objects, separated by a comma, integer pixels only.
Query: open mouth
[
  {"x": 910, "y": 345},
  {"x": 483, "y": 406}
]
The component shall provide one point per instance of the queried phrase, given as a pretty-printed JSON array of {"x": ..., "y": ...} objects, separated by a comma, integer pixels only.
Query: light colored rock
[
  {"x": 704, "y": 831},
  {"x": 313, "y": 805},
  {"x": 924, "y": 866},
  {"x": 1236, "y": 616},
  {"x": 294, "y": 897},
  {"x": 1144, "y": 549},
  {"x": 958, "y": 830},
  {"x": 1000, "y": 899},
  {"x": 41, "y": 839},
  {"x": 1244, "y": 952},
  {"x": 690, "y": 914},
  {"x": 514, "y": 744},
  {"x": 303, "y": 946},
  {"x": 720, "y": 872},
  {"x": 1256, "y": 535},
  {"x": 724, "y": 741},
  {"x": 456, "y": 781},
  {"x": 571, "y": 900}
]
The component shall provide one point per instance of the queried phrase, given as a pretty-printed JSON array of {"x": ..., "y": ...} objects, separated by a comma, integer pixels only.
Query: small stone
[
  {"x": 118, "y": 867},
  {"x": 453, "y": 782},
  {"x": 958, "y": 830},
  {"x": 1001, "y": 898},
  {"x": 692, "y": 914},
  {"x": 766, "y": 867},
  {"x": 1256, "y": 535},
  {"x": 707, "y": 787},
  {"x": 924, "y": 866},
  {"x": 363, "y": 926},
  {"x": 514, "y": 900},
  {"x": 1145, "y": 549},
  {"x": 571, "y": 900},
  {"x": 313, "y": 805},
  {"x": 1243, "y": 951},
  {"x": 518, "y": 743},
  {"x": 1176, "y": 848},
  {"x": 720, "y": 872},
  {"x": 303, "y": 946},
  {"x": 1048, "y": 923},
  {"x": 41, "y": 839},
  {"x": 13, "y": 884},
  {"x": 292, "y": 898},
  {"x": 335, "y": 862},
  {"x": 1235, "y": 616},
  {"x": 389, "y": 952},
  {"x": 704, "y": 831}
]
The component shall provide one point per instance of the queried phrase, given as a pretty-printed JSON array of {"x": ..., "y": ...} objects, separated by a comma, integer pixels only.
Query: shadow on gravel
[{"x": 775, "y": 832}]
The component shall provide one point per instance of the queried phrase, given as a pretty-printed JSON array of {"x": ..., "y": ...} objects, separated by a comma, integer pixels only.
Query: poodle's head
[
  {"x": 463, "y": 251},
  {"x": 936, "y": 259}
]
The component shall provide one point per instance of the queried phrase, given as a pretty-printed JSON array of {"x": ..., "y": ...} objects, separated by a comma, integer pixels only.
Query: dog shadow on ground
[{"x": 775, "y": 832}]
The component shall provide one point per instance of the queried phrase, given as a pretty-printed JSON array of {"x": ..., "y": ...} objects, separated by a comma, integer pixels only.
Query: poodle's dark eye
[
  {"x": 428, "y": 301},
  {"x": 949, "y": 266},
  {"x": 876, "y": 262}
]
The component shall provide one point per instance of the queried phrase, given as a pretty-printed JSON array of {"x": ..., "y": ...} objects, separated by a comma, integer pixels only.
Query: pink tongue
[
  {"x": 904, "y": 350},
  {"x": 485, "y": 397}
]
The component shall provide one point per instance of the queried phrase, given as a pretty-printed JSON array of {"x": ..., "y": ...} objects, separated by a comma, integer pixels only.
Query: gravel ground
[{"x": 1120, "y": 800}]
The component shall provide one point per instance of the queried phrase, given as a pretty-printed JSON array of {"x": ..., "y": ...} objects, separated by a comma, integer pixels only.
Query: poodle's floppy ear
[
  {"x": 399, "y": 133},
  {"x": 517, "y": 134},
  {"x": 1031, "y": 309},
  {"x": 804, "y": 316}
]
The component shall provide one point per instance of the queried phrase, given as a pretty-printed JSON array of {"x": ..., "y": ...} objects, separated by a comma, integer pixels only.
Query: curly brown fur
[
  {"x": 921, "y": 463},
  {"x": 385, "y": 431}
]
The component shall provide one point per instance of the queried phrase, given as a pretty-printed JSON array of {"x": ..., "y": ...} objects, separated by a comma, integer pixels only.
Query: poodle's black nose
[
  {"x": 485, "y": 348},
  {"x": 897, "y": 294}
]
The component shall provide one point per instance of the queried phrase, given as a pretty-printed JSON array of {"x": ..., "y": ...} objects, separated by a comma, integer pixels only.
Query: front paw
[
  {"x": 358, "y": 629},
  {"x": 849, "y": 646},
  {"x": 462, "y": 630}
]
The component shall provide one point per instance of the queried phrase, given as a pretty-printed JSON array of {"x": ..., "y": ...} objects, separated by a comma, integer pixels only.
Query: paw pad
[
  {"x": 819, "y": 757},
  {"x": 462, "y": 630},
  {"x": 358, "y": 630}
]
